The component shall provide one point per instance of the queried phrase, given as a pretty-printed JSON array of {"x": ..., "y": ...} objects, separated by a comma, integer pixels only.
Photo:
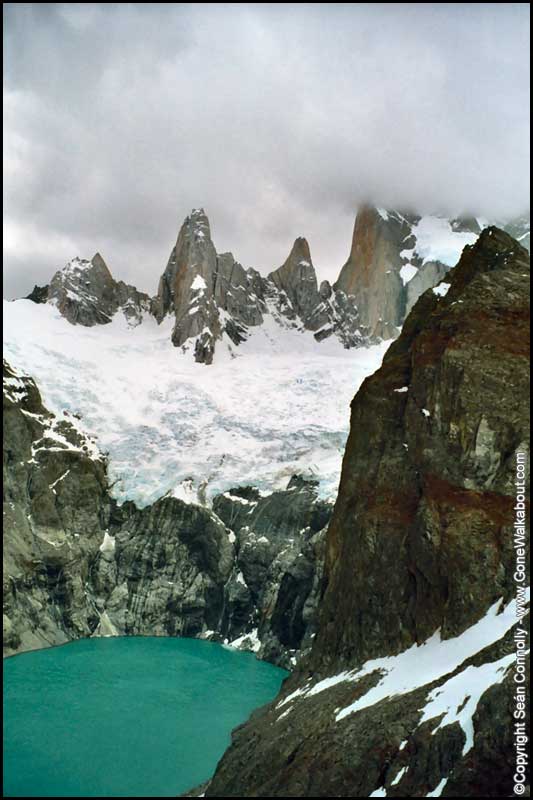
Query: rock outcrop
[
  {"x": 85, "y": 293},
  {"x": 408, "y": 690},
  {"x": 246, "y": 572},
  {"x": 274, "y": 589}
]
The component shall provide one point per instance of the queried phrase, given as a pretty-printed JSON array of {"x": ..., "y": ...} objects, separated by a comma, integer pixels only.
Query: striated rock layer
[{"x": 409, "y": 690}]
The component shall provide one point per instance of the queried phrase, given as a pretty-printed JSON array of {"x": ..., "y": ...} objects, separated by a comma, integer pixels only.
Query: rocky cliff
[
  {"x": 409, "y": 690},
  {"x": 371, "y": 276},
  {"x": 77, "y": 564}
]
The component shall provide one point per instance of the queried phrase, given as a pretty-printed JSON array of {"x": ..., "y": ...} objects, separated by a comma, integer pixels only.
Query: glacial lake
[{"x": 125, "y": 717}]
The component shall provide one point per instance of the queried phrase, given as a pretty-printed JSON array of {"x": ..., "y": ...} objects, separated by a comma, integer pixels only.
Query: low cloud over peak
[{"x": 278, "y": 119}]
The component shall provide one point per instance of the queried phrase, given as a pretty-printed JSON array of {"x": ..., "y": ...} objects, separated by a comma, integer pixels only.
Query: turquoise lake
[{"x": 125, "y": 717}]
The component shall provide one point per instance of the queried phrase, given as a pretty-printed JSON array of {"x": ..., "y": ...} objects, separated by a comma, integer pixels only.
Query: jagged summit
[
  {"x": 86, "y": 293},
  {"x": 193, "y": 254},
  {"x": 214, "y": 298},
  {"x": 215, "y": 301},
  {"x": 209, "y": 294},
  {"x": 297, "y": 280}
]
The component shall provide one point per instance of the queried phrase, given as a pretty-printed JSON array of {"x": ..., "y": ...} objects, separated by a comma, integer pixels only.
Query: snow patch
[
  {"x": 437, "y": 241},
  {"x": 407, "y": 273},
  {"x": 437, "y": 791},
  {"x": 108, "y": 545},
  {"x": 458, "y": 698},
  {"x": 423, "y": 664},
  {"x": 442, "y": 289},
  {"x": 399, "y": 776},
  {"x": 248, "y": 641},
  {"x": 61, "y": 477},
  {"x": 199, "y": 283}
]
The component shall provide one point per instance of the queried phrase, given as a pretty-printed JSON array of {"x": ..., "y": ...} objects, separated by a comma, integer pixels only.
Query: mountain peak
[
  {"x": 300, "y": 250},
  {"x": 197, "y": 225},
  {"x": 495, "y": 250},
  {"x": 85, "y": 293},
  {"x": 98, "y": 262},
  {"x": 298, "y": 266}
]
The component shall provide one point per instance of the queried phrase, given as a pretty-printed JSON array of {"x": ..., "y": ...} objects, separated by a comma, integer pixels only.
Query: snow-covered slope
[
  {"x": 288, "y": 355},
  {"x": 276, "y": 405}
]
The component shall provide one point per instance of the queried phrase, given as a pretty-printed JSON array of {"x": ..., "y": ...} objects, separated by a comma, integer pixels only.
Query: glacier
[{"x": 277, "y": 405}]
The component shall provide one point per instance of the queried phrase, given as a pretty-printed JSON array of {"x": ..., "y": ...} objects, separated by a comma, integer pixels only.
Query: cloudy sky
[{"x": 277, "y": 119}]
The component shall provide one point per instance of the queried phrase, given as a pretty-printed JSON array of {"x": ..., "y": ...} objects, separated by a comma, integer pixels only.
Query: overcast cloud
[{"x": 277, "y": 119}]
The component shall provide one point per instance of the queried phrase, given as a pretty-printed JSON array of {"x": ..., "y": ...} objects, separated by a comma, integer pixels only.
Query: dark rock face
[
  {"x": 39, "y": 294},
  {"x": 421, "y": 540},
  {"x": 76, "y": 564},
  {"x": 274, "y": 589},
  {"x": 86, "y": 293},
  {"x": 439, "y": 458}
]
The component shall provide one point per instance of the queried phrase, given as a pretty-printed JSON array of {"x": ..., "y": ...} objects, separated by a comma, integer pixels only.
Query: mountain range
[{"x": 394, "y": 258}]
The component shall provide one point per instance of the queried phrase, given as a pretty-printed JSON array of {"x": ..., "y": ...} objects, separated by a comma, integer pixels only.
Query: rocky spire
[
  {"x": 296, "y": 278},
  {"x": 208, "y": 294},
  {"x": 193, "y": 255},
  {"x": 371, "y": 274}
]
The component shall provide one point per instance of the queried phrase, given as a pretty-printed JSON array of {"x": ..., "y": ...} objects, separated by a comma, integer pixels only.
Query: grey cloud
[{"x": 278, "y": 119}]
